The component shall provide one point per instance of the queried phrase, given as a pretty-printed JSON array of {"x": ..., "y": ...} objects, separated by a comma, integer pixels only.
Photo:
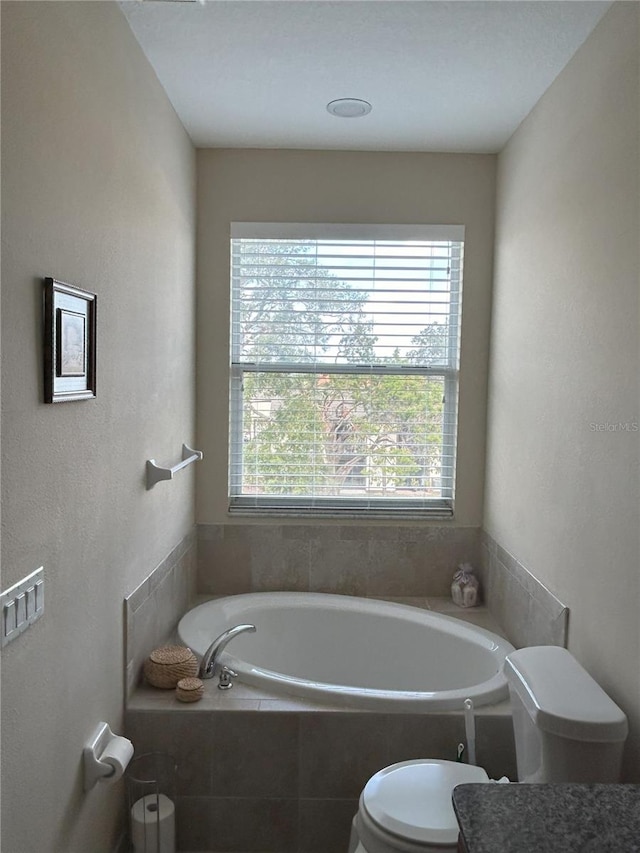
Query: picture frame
[{"x": 69, "y": 345}]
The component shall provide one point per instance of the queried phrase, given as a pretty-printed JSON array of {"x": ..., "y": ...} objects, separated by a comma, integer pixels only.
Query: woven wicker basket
[
  {"x": 167, "y": 665},
  {"x": 189, "y": 689}
]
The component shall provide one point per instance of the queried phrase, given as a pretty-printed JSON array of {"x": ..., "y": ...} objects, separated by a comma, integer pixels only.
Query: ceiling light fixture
[{"x": 349, "y": 108}]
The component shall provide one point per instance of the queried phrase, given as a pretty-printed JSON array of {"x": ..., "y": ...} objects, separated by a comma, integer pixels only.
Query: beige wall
[
  {"x": 562, "y": 496},
  {"x": 340, "y": 186},
  {"x": 98, "y": 188}
]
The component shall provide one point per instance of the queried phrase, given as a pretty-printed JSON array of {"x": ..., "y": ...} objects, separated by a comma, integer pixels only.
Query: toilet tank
[{"x": 565, "y": 726}]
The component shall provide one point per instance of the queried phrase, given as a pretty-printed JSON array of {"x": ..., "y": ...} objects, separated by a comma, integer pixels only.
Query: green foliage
[
  {"x": 291, "y": 308},
  {"x": 341, "y": 431}
]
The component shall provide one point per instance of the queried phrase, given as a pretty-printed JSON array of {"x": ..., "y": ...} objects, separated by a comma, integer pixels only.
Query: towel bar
[{"x": 156, "y": 472}]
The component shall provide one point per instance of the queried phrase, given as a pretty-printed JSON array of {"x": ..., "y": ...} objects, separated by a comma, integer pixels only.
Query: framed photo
[{"x": 69, "y": 342}]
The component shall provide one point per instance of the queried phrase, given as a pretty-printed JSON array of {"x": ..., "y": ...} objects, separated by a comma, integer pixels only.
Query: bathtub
[{"x": 353, "y": 652}]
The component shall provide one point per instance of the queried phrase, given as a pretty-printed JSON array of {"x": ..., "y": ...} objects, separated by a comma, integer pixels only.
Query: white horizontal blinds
[
  {"x": 343, "y": 347},
  {"x": 376, "y": 302}
]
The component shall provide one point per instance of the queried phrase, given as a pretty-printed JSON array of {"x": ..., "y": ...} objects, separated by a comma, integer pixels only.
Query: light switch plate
[{"x": 21, "y": 605}]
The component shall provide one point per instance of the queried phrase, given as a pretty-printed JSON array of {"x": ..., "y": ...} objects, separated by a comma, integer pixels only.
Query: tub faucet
[{"x": 210, "y": 657}]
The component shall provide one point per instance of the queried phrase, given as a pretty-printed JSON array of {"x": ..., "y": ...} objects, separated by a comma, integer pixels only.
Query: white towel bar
[{"x": 156, "y": 472}]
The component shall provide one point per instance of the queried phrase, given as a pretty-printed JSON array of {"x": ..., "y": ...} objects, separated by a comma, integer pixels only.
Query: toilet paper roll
[
  {"x": 117, "y": 753},
  {"x": 153, "y": 826}
]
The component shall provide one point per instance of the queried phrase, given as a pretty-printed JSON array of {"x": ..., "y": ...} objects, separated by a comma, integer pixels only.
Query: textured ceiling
[{"x": 442, "y": 76}]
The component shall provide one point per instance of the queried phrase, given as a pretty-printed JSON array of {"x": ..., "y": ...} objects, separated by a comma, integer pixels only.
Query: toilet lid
[{"x": 412, "y": 799}]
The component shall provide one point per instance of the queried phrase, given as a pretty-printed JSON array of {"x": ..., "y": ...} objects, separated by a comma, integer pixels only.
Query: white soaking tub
[{"x": 353, "y": 652}]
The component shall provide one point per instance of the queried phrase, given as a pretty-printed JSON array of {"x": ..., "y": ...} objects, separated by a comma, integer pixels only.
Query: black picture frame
[{"x": 69, "y": 345}]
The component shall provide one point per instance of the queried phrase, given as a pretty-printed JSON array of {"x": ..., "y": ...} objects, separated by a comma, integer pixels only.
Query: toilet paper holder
[{"x": 105, "y": 756}]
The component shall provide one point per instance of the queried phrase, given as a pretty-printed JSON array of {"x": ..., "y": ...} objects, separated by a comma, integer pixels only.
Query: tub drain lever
[{"x": 226, "y": 675}]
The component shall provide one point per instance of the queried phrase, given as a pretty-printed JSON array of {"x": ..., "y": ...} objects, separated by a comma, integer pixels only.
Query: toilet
[{"x": 566, "y": 729}]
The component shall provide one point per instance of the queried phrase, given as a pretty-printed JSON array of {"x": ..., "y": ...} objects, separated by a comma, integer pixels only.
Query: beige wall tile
[
  {"x": 153, "y": 610},
  {"x": 355, "y": 559},
  {"x": 528, "y": 613},
  {"x": 339, "y": 753},
  {"x": 224, "y": 566},
  {"x": 338, "y": 566},
  {"x": 233, "y": 824},
  {"x": 325, "y": 825},
  {"x": 255, "y": 755}
]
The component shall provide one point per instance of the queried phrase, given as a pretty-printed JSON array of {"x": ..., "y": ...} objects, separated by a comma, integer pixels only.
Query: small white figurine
[{"x": 464, "y": 588}]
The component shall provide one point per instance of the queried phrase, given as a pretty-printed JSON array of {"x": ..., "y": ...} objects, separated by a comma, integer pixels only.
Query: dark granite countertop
[{"x": 552, "y": 818}]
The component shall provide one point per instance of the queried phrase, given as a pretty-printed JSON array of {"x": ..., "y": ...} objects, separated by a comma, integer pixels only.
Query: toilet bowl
[
  {"x": 407, "y": 807},
  {"x": 566, "y": 729}
]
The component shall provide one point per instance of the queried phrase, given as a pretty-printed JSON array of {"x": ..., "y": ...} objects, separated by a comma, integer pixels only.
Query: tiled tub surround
[
  {"x": 529, "y": 614},
  {"x": 351, "y": 559},
  {"x": 153, "y": 610},
  {"x": 260, "y": 772},
  {"x": 281, "y": 775},
  {"x": 265, "y": 772}
]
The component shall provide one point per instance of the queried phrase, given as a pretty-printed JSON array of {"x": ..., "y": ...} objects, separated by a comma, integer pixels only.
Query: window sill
[{"x": 405, "y": 514}]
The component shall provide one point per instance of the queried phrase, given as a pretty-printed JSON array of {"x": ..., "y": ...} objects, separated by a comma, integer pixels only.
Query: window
[{"x": 344, "y": 368}]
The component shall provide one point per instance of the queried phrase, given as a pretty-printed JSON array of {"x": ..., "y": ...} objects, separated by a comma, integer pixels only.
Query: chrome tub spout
[{"x": 210, "y": 657}]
